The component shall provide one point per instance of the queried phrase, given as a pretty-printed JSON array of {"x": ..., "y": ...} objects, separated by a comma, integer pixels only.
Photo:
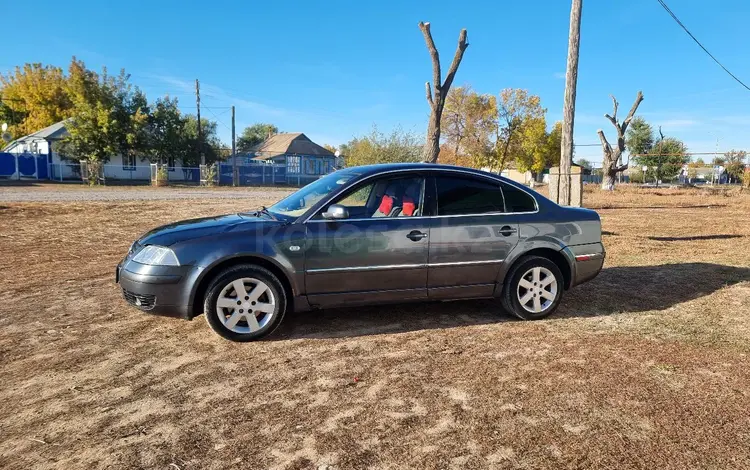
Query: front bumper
[{"x": 159, "y": 290}]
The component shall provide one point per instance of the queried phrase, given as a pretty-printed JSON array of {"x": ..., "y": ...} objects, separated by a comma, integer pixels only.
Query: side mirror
[{"x": 335, "y": 212}]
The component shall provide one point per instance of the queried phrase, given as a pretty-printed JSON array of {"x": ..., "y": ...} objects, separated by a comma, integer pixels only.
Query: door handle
[
  {"x": 507, "y": 230},
  {"x": 416, "y": 235}
]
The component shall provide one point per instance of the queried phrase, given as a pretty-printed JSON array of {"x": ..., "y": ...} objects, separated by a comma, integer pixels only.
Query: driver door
[{"x": 378, "y": 254}]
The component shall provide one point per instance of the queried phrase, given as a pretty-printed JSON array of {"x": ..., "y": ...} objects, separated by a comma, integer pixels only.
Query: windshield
[{"x": 299, "y": 202}]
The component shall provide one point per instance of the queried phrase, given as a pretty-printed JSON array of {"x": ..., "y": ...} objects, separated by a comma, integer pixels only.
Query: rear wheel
[
  {"x": 245, "y": 303},
  {"x": 533, "y": 288}
]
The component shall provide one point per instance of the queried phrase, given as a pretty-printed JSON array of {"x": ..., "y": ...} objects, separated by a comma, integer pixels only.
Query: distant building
[
  {"x": 34, "y": 156},
  {"x": 304, "y": 159}
]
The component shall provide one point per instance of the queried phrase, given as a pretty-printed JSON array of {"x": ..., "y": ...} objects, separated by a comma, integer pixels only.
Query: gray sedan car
[{"x": 367, "y": 235}]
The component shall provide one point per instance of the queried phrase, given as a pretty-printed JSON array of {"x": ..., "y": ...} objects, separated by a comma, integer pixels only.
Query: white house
[{"x": 35, "y": 157}]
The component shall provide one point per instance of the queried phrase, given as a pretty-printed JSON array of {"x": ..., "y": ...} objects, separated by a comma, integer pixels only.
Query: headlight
[{"x": 157, "y": 256}]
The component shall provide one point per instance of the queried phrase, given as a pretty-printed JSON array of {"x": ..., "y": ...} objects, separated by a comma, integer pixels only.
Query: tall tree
[
  {"x": 517, "y": 110},
  {"x": 469, "y": 126},
  {"x": 582, "y": 162},
  {"x": 33, "y": 97},
  {"x": 253, "y": 135},
  {"x": 437, "y": 102},
  {"x": 735, "y": 164},
  {"x": 639, "y": 138},
  {"x": 611, "y": 163},
  {"x": 212, "y": 147},
  {"x": 102, "y": 108},
  {"x": 166, "y": 131}
]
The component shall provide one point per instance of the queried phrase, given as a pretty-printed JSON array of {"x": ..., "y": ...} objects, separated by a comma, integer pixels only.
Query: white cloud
[{"x": 559, "y": 75}]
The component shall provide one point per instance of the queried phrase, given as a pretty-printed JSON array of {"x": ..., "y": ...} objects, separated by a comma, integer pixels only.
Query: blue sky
[{"x": 332, "y": 69}]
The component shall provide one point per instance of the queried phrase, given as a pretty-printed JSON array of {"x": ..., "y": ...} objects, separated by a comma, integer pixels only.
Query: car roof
[{"x": 368, "y": 170}]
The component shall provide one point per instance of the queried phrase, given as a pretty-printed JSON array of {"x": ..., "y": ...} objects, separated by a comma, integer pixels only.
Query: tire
[
  {"x": 548, "y": 295},
  {"x": 262, "y": 290}
]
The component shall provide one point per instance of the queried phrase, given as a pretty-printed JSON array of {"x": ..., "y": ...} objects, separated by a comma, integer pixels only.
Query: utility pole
[
  {"x": 235, "y": 176},
  {"x": 200, "y": 134},
  {"x": 569, "y": 104}
]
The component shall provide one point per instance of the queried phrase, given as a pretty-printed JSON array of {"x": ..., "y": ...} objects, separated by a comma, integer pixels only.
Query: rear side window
[
  {"x": 463, "y": 196},
  {"x": 517, "y": 200}
]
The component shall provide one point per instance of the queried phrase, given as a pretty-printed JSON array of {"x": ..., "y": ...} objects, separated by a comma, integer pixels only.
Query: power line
[{"x": 664, "y": 5}]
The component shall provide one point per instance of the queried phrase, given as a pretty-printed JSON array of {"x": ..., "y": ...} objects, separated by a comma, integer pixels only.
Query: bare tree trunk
[
  {"x": 610, "y": 166},
  {"x": 432, "y": 145},
  {"x": 569, "y": 105}
]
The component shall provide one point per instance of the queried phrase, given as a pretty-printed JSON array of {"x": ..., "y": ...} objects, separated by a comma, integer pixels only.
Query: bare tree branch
[
  {"x": 428, "y": 92},
  {"x": 612, "y": 120},
  {"x": 436, "y": 80},
  {"x": 462, "y": 45},
  {"x": 615, "y": 104},
  {"x": 631, "y": 113},
  {"x": 605, "y": 145}
]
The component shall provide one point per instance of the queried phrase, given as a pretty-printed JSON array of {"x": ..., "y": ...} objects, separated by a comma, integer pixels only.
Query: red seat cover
[
  {"x": 386, "y": 204},
  {"x": 408, "y": 207}
]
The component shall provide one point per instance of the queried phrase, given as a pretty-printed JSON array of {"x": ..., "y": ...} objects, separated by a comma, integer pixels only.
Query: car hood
[{"x": 196, "y": 228}]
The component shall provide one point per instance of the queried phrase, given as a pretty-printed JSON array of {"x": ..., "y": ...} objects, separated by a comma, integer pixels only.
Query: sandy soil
[{"x": 644, "y": 367}]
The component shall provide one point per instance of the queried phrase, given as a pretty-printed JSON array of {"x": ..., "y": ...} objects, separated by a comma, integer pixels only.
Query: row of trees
[{"x": 106, "y": 115}]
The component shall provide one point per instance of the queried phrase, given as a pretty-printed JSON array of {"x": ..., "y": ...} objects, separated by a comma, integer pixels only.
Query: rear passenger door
[{"x": 470, "y": 236}]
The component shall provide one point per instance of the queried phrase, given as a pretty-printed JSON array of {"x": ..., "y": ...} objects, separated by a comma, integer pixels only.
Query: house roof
[
  {"x": 56, "y": 131},
  {"x": 289, "y": 143}
]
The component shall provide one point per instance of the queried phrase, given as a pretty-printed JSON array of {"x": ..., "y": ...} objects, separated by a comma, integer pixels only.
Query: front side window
[
  {"x": 400, "y": 196},
  {"x": 465, "y": 196},
  {"x": 300, "y": 201},
  {"x": 517, "y": 200}
]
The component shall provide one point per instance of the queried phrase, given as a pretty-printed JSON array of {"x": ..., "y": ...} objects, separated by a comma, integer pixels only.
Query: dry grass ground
[{"x": 644, "y": 367}]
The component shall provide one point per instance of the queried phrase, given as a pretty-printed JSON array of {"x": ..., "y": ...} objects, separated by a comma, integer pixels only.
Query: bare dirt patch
[{"x": 644, "y": 367}]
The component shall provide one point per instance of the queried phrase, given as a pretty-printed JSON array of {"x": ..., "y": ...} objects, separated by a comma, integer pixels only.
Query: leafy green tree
[
  {"x": 377, "y": 147},
  {"x": 107, "y": 114},
  {"x": 639, "y": 138},
  {"x": 518, "y": 128},
  {"x": 166, "y": 136},
  {"x": 253, "y": 135},
  {"x": 735, "y": 164},
  {"x": 469, "y": 127},
  {"x": 582, "y": 162},
  {"x": 33, "y": 97},
  {"x": 668, "y": 156},
  {"x": 211, "y": 145}
]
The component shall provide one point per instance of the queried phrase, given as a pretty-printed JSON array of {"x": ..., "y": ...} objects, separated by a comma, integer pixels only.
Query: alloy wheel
[
  {"x": 245, "y": 305},
  {"x": 537, "y": 289}
]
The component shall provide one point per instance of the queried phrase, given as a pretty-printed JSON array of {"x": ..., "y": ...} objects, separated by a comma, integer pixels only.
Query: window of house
[
  {"x": 310, "y": 166},
  {"x": 128, "y": 162},
  {"x": 293, "y": 164},
  {"x": 517, "y": 200},
  {"x": 463, "y": 196}
]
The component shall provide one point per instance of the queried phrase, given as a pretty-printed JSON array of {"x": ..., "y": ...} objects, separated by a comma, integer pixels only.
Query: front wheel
[
  {"x": 533, "y": 288},
  {"x": 245, "y": 303}
]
